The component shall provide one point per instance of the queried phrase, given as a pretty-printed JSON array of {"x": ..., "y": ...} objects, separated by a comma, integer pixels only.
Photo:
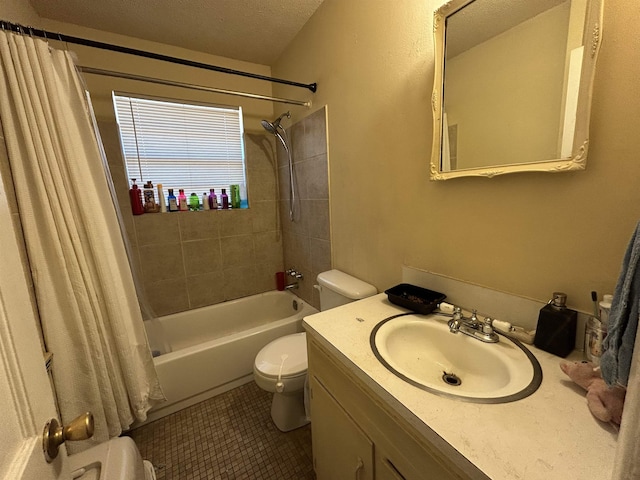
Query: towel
[{"x": 615, "y": 362}]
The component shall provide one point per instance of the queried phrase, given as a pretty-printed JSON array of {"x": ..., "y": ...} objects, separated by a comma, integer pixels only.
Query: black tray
[{"x": 417, "y": 299}]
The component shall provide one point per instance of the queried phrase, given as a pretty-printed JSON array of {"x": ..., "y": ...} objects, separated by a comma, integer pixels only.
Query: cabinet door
[{"x": 340, "y": 449}]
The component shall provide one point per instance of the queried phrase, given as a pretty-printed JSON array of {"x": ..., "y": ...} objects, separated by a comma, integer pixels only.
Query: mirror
[{"x": 512, "y": 86}]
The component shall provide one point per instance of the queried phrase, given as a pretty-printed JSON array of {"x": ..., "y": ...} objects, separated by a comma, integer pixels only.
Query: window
[{"x": 181, "y": 145}]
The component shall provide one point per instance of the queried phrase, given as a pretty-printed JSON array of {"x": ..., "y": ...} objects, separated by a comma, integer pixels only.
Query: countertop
[{"x": 548, "y": 435}]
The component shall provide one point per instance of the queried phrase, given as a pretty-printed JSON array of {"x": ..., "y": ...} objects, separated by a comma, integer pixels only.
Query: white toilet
[
  {"x": 281, "y": 366},
  {"x": 117, "y": 459}
]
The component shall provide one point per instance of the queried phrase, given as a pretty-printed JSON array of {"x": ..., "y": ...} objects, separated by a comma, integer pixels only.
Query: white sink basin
[{"x": 422, "y": 351}]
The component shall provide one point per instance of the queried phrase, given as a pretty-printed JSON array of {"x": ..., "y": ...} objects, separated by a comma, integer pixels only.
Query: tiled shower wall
[
  {"x": 187, "y": 260},
  {"x": 307, "y": 240}
]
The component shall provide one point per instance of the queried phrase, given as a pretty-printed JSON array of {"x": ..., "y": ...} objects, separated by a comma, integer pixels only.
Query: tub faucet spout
[{"x": 292, "y": 286}]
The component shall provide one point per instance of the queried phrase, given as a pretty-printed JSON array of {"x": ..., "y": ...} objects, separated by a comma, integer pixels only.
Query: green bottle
[
  {"x": 194, "y": 202},
  {"x": 235, "y": 196}
]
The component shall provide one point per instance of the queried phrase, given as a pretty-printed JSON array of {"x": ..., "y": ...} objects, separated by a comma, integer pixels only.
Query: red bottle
[{"x": 135, "y": 195}]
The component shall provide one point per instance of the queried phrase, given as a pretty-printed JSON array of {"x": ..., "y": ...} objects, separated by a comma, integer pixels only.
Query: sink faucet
[{"x": 472, "y": 327}]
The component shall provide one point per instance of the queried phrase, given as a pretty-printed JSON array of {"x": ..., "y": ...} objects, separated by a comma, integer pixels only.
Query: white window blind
[{"x": 181, "y": 145}]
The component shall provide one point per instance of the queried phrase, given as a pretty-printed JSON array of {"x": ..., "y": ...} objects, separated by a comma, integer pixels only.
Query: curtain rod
[
  {"x": 14, "y": 27},
  {"x": 171, "y": 83}
]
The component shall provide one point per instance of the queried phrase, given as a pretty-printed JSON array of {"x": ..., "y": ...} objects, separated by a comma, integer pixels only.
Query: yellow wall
[
  {"x": 527, "y": 234},
  {"x": 517, "y": 73}
]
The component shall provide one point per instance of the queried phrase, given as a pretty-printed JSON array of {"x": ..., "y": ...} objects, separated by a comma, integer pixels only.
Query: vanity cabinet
[
  {"x": 340, "y": 448},
  {"x": 355, "y": 435}
]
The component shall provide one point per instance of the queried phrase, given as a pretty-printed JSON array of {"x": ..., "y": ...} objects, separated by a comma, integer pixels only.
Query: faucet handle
[
  {"x": 446, "y": 308},
  {"x": 487, "y": 325},
  {"x": 292, "y": 272}
]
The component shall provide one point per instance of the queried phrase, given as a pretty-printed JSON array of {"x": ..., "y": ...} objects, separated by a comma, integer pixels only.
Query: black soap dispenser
[{"x": 556, "y": 331}]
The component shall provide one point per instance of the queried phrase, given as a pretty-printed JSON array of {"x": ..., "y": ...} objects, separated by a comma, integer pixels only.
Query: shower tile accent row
[{"x": 230, "y": 436}]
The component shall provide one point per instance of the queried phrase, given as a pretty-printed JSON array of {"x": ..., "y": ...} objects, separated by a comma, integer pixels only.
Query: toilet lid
[{"x": 289, "y": 351}]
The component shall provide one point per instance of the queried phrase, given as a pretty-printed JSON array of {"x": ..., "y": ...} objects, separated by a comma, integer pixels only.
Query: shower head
[{"x": 272, "y": 127}]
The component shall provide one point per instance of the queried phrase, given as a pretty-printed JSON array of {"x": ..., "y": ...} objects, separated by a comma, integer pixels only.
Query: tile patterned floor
[{"x": 230, "y": 436}]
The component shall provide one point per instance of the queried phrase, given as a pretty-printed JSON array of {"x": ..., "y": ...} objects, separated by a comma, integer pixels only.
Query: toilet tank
[{"x": 337, "y": 288}]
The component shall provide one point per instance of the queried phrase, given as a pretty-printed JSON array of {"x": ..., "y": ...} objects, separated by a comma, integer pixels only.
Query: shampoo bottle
[
  {"x": 205, "y": 201},
  {"x": 224, "y": 199},
  {"x": 135, "y": 196},
  {"x": 173, "y": 202},
  {"x": 149, "y": 198},
  {"x": 243, "y": 196},
  {"x": 235, "y": 196},
  {"x": 161, "y": 199},
  {"x": 556, "y": 331},
  {"x": 194, "y": 202},
  {"x": 182, "y": 201},
  {"x": 213, "y": 201}
]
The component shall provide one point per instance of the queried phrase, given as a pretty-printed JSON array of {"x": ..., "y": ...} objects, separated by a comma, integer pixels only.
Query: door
[{"x": 26, "y": 398}]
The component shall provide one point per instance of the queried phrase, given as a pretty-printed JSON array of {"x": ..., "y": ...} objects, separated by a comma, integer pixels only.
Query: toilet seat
[
  {"x": 115, "y": 459},
  {"x": 284, "y": 357}
]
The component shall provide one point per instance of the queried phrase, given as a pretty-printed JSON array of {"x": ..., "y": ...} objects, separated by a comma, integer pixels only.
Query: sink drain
[{"x": 451, "y": 379}]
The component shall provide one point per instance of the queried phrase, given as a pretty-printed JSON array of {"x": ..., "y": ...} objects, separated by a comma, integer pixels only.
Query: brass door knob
[{"x": 54, "y": 435}]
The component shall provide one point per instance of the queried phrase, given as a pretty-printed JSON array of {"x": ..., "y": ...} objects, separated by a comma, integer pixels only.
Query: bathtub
[{"x": 212, "y": 349}]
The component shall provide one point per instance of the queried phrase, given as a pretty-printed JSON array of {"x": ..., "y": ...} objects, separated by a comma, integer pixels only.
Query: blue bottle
[{"x": 173, "y": 202}]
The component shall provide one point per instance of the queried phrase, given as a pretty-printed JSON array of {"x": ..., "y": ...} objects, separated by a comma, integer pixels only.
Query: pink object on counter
[{"x": 280, "y": 280}]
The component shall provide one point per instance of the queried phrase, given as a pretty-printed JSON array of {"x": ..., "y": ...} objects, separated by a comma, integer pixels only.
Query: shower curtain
[{"x": 83, "y": 285}]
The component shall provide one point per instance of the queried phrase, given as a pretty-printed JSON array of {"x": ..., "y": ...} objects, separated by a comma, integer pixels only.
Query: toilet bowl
[
  {"x": 281, "y": 366},
  {"x": 116, "y": 459}
]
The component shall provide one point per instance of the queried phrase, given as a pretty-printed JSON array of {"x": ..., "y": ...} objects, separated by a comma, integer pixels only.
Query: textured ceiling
[{"x": 256, "y": 31}]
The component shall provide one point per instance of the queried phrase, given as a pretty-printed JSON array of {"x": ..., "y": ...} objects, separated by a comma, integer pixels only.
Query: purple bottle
[
  {"x": 213, "y": 202},
  {"x": 224, "y": 199}
]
